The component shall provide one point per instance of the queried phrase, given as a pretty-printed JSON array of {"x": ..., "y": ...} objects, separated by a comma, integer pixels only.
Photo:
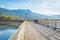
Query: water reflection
[{"x": 6, "y": 32}]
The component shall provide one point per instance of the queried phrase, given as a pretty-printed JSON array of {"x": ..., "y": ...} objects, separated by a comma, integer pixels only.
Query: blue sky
[{"x": 46, "y": 7}]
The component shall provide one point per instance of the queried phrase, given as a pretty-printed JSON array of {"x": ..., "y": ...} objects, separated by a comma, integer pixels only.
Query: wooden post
[{"x": 55, "y": 25}]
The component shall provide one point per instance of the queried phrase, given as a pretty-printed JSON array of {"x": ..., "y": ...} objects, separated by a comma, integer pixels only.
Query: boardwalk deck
[{"x": 32, "y": 31}]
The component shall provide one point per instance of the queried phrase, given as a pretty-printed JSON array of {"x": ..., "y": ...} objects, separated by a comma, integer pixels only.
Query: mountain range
[{"x": 26, "y": 13}]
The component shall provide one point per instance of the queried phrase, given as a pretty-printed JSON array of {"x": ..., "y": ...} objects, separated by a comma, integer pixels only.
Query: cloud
[{"x": 46, "y": 7}]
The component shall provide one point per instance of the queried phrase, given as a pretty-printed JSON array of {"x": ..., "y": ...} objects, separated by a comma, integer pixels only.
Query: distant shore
[{"x": 15, "y": 23}]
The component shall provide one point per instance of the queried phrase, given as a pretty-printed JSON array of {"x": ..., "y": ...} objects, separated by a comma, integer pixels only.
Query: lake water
[{"x": 6, "y": 32}]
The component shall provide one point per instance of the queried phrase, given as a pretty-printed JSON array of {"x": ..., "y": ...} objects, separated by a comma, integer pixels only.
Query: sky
[{"x": 46, "y": 7}]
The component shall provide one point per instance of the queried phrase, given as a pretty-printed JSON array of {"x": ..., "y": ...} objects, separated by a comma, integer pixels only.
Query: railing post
[{"x": 55, "y": 25}]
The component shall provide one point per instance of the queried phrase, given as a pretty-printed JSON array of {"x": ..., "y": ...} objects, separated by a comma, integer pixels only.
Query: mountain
[
  {"x": 24, "y": 13},
  {"x": 56, "y": 16}
]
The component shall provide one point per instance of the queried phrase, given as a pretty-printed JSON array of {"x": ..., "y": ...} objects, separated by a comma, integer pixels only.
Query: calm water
[{"x": 6, "y": 32}]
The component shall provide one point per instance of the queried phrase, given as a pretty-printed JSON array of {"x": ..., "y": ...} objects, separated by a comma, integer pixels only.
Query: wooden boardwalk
[{"x": 32, "y": 31}]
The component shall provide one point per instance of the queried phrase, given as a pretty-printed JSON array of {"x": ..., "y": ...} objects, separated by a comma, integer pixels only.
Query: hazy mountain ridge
[{"x": 22, "y": 13}]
